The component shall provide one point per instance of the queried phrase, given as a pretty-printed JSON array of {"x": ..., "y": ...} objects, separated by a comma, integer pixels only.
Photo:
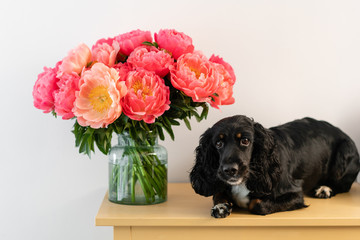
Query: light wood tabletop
[{"x": 185, "y": 211}]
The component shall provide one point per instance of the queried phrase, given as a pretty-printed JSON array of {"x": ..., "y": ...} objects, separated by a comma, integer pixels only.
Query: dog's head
[
  {"x": 235, "y": 150},
  {"x": 233, "y": 140}
]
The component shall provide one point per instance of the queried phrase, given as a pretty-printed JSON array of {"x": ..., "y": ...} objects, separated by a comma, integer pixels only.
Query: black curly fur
[
  {"x": 203, "y": 175},
  {"x": 264, "y": 164},
  {"x": 277, "y": 166}
]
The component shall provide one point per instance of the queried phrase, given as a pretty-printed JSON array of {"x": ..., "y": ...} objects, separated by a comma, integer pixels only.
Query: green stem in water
[
  {"x": 133, "y": 180},
  {"x": 143, "y": 167}
]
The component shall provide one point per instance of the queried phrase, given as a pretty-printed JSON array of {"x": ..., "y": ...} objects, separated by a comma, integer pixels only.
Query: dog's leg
[
  {"x": 222, "y": 205},
  {"x": 345, "y": 168},
  {"x": 286, "y": 202}
]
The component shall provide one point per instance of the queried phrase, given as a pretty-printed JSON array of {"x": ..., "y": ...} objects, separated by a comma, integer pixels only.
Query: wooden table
[{"x": 186, "y": 215}]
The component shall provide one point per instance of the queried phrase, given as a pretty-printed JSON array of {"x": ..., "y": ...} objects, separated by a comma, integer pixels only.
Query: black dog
[{"x": 268, "y": 170}]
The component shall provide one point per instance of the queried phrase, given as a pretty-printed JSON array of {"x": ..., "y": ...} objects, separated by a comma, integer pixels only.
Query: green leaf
[
  {"x": 78, "y": 132},
  {"x": 89, "y": 64},
  {"x": 187, "y": 123},
  {"x": 166, "y": 121},
  {"x": 120, "y": 123},
  {"x": 108, "y": 134},
  {"x": 144, "y": 126},
  {"x": 174, "y": 122},
  {"x": 151, "y": 44},
  {"x": 168, "y": 128},
  {"x": 170, "y": 132},
  {"x": 205, "y": 111},
  {"x": 101, "y": 145},
  {"x": 87, "y": 142},
  {"x": 127, "y": 126},
  {"x": 148, "y": 43},
  {"x": 195, "y": 113},
  {"x": 90, "y": 142},
  {"x": 103, "y": 138},
  {"x": 133, "y": 133},
  {"x": 160, "y": 132},
  {"x": 179, "y": 107},
  {"x": 84, "y": 148}
]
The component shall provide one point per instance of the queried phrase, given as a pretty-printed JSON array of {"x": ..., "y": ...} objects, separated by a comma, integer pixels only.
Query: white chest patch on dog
[{"x": 240, "y": 195}]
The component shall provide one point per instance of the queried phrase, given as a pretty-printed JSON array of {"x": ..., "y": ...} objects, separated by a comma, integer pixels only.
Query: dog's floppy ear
[
  {"x": 203, "y": 175},
  {"x": 264, "y": 163}
]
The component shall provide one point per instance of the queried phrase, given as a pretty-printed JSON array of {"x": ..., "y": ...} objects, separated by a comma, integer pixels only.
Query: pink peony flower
[
  {"x": 44, "y": 88},
  {"x": 227, "y": 66},
  {"x": 97, "y": 102},
  {"x": 175, "y": 42},
  {"x": 196, "y": 77},
  {"x": 131, "y": 40},
  {"x": 225, "y": 91},
  {"x": 65, "y": 96},
  {"x": 105, "y": 51},
  {"x": 123, "y": 69},
  {"x": 151, "y": 59},
  {"x": 76, "y": 60},
  {"x": 147, "y": 97}
]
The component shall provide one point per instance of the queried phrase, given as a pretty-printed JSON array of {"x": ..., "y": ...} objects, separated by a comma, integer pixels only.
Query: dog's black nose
[{"x": 230, "y": 169}]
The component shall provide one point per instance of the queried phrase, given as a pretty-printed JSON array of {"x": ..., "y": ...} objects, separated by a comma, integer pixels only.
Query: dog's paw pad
[
  {"x": 221, "y": 210},
  {"x": 323, "y": 192}
]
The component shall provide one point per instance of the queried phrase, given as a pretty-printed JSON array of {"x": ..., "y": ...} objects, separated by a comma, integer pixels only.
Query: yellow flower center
[
  {"x": 100, "y": 98},
  {"x": 196, "y": 71},
  {"x": 145, "y": 90}
]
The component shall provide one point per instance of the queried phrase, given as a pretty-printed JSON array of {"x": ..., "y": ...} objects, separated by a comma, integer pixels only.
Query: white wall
[{"x": 291, "y": 58}]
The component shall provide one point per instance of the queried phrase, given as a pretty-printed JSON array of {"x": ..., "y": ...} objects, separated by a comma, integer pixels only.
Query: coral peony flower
[
  {"x": 151, "y": 59},
  {"x": 196, "y": 77},
  {"x": 44, "y": 88},
  {"x": 175, "y": 42},
  {"x": 123, "y": 69},
  {"x": 97, "y": 102},
  {"x": 105, "y": 51},
  {"x": 65, "y": 96},
  {"x": 227, "y": 66},
  {"x": 76, "y": 60},
  {"x": 224, "y": 93},
  {"x": 131, "y": 40},
  {"x": 147, "y": 97}
]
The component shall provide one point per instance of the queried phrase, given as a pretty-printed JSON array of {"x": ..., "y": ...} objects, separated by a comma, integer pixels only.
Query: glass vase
[{"x": 137, "y": 171}]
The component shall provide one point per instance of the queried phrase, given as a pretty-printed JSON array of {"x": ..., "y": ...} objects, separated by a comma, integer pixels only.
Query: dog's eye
[
  {"x": 244, "y": 142},
  {"x": 219, "y": 144}
]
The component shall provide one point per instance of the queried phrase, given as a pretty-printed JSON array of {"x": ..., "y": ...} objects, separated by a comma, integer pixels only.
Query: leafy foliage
[{"x": 182, "y": 108}]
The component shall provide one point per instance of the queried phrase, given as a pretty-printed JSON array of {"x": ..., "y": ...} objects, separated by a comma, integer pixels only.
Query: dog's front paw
[{"x": 221, "y": 210}]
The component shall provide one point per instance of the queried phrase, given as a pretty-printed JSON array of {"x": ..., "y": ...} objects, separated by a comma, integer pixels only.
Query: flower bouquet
[{"x": 135, "y": 85}]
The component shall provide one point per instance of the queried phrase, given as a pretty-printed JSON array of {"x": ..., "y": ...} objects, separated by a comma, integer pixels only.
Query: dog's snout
[{"x": 230, "y": 169}]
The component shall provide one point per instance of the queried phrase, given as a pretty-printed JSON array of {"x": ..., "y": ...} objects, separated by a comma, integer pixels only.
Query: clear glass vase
[{"x": 138, "y": 171}]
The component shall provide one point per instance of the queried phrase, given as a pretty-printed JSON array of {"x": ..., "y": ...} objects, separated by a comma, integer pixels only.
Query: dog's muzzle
[
  {"x": 230, "y": 170},
  {"x": 231, "y": 173}
]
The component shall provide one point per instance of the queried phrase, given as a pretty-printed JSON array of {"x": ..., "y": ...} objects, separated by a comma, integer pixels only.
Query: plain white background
[{"x": 292, "y": 59}]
